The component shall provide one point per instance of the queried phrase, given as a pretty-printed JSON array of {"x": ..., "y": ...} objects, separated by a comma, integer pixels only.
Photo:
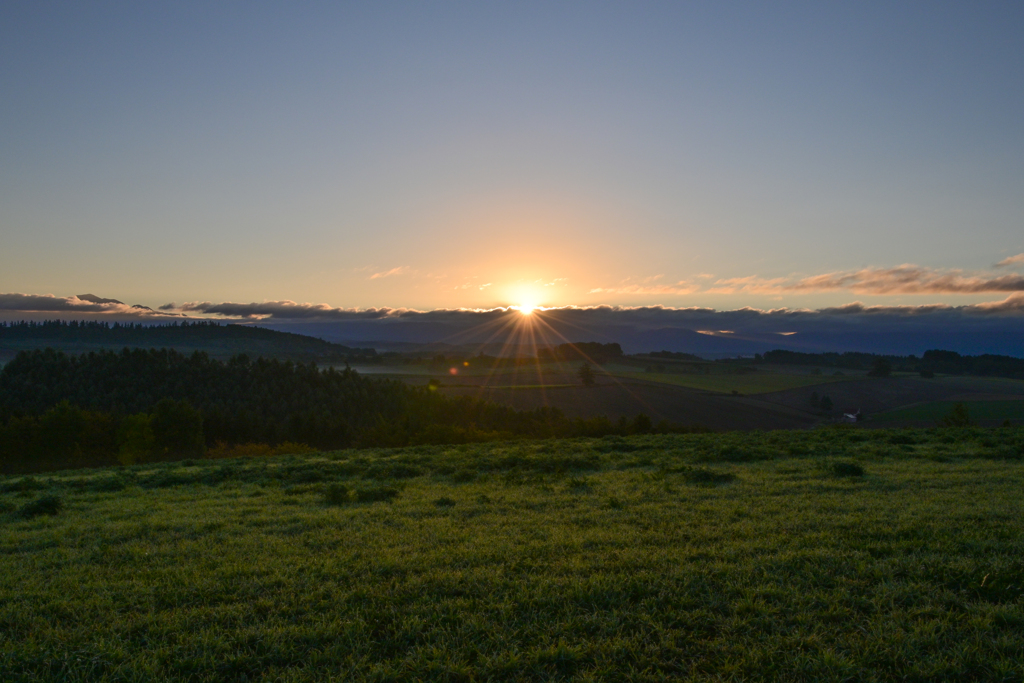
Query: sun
[{"x": 527, "y": 309}]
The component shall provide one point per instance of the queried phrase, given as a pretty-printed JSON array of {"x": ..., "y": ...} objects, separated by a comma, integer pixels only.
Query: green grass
[
  {"x": 754, "y": 383},
  {"x": 758, "y": 556},
  {"x": 936, "y": 410},
  {"x": 526, "y": 386}
]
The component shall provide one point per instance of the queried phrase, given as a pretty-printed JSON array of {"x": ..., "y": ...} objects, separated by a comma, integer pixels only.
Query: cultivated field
[
  {"x": 753, "y": 383},
  {"x": 836, "y": 554}
]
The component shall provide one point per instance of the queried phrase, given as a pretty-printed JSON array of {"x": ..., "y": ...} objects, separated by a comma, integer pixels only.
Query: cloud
[
  {"x": 288, "y": 310},
  {"x": 400, "y": 270},
  {"x": 1010, "y": 261},
  {"x": 905, "y": 279},
  {"x": 990, "y": 327},
  {"x": 87, "y": 305},
  {"x": 1013, "y": 304},
  {"x": 679, "y": 288},
  {"x": 751, "y": 283}
]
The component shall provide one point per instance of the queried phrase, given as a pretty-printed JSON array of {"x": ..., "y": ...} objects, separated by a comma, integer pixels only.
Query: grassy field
[
  {"x": 936, "y": 410},
  {"x": 754, "y": 383},
  {"x": 837, "y": 554}
]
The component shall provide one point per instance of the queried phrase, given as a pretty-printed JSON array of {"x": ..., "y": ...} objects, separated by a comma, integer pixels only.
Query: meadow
[{"x": 833, "y": 554}]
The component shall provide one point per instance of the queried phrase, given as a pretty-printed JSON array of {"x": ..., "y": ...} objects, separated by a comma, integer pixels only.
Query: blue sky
[{"x": 446, "y": 155}]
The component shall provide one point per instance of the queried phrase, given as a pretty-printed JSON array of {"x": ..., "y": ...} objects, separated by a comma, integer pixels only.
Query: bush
[
  {"x": 49, "y": 504},
  {"x": 178, "y": 428},
  {"x": 957, "y": 417},
  {"x": 707, "y": 477},
  {"x": 376, "y": 494},
  {"x": 135, "y": 439},
  {"x": 463, "y": 476},
  {"x": 337, "y": 494},
  {"x": 847, "y": 469},
  {"x": 107, "y": 484},
  {"x": 24, "y": 485}
]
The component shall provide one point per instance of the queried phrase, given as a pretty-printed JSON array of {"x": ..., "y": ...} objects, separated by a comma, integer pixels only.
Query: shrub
[
  {"x": 135, "y": 439},
  {"x": 105, "y": 484},
  {"x": 707, "y": 477},
  {"x": 463, "y": 476},
  {"x": 337, "y": 494},
  {"x": 24, "y": 485},
  {"x": 375, "y": 494},
  {"x": 177, "y": 428},
  {"x": 957, "y": 417},
  {"x": 577, "y": 484},
  {"x": 847, "y": 469},
  {"x": 50, "y": 504},
  {"x": 444, "y": 502},
  {"x": 392, "y": 471}
]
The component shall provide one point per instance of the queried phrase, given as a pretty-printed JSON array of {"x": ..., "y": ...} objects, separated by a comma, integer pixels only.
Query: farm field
[
  {"x": 622, "y": 397},
  {"x": 875, "y": 396},
  {"x": 754, "y": 383},
  {"x": 936, "y": 410},
  {"x": 831, "y": 554}
]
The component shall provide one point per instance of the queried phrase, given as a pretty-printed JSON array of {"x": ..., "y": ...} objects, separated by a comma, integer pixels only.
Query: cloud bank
[
  {"x": 990, "y": 327},
  {"x": 13, "y": 304}
]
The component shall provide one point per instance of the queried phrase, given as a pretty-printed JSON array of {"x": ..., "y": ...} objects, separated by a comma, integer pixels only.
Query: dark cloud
[
  {"x": 288, "y": 310},
  {"x": 14, "y": 305}
]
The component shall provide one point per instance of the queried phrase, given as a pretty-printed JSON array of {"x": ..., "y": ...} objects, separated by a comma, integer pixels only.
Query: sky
[{"x": 783, "y": 155}]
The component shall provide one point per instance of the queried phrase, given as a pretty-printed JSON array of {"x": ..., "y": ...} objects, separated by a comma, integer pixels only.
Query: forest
[
  {"x": 60, "y": 410},
  {"x": 82, "y": 335}
]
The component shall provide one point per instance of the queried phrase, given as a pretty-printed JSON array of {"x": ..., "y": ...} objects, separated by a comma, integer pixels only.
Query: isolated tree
[
  {"x": 957, "y": 417},
  {"x": 586, "y": 374},
  {"x": 826, "y": 403}
]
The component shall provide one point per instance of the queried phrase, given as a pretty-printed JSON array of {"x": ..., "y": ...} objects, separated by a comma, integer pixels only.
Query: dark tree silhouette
[
  {"x": 957, "y": 417},
  {"x": 586, "y": 374}
]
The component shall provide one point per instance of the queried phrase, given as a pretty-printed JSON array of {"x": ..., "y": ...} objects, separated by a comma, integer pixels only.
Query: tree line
[
  {"x": 185, "y": 333},
  {"x": 60, "y": 410}
]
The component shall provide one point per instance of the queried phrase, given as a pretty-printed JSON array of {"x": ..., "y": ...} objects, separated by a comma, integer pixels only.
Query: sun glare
[{"x": 526, "y": 309}]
